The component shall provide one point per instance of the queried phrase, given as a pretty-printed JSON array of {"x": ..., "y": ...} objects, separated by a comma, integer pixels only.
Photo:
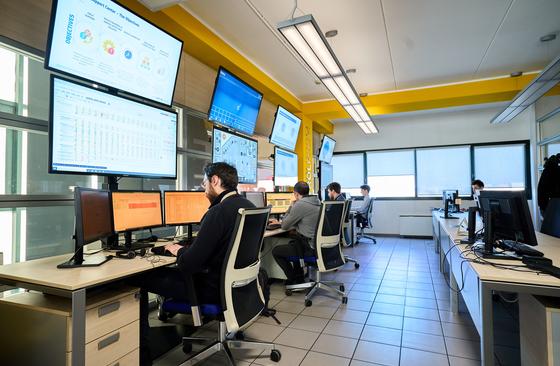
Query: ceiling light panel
[{"x": 305, "y": 36}]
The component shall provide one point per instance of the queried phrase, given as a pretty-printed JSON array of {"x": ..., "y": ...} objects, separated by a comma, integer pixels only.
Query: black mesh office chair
[
  {"x": 365, "y": 222},
  {"x": 328, "y": 253},
  {"x": 347, "y": 233},
  {"x": 242, "y": 299}
]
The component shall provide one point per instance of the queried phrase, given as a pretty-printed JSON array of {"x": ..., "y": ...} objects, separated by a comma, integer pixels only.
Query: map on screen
[{"x": 240, "y": 152}]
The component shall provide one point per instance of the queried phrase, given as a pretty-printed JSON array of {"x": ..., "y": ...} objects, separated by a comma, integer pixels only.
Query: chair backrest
[
  {"x": 242, "y": 296},
  {"x": 347, "y": 210},
  {"x": 327, "y": 237},
  {"x": 370, "y": 214},
  {"x": 551, "y": 221}
]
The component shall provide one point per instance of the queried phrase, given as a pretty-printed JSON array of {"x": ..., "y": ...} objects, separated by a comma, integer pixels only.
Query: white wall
[{"x": 427, "y": 128}]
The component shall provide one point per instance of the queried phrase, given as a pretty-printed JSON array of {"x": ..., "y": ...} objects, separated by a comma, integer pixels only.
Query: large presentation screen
[
  {"x": 285, "y": 130},
  {"x": 104, "y": 42},
  {"x": 327, "y": 149},
  {"x": 234, "y": 103},
  {"x": 285, "y": 167},
  {"x": 240, "y": 152},
  {"x": 92, "y": 132}
]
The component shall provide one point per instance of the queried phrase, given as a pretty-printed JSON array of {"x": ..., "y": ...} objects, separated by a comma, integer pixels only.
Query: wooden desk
[
  {"x": 478, "y": 280},
  {"x": 42, "y": 275}
]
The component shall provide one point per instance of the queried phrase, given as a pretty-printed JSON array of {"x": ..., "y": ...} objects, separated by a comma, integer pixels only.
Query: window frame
[{"x": 526, "y": 143}]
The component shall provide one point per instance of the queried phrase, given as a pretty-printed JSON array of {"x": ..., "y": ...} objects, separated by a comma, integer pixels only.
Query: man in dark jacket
[
  {"x": 549, "y": 183},
  {"x": 205, "y": 257},
  {"x": 334, "y": 191}
]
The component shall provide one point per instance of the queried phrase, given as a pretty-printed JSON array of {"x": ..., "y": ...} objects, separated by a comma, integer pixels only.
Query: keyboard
[
  {"x": 273, "y": 226},
  {"x": 519, "y": 248}
]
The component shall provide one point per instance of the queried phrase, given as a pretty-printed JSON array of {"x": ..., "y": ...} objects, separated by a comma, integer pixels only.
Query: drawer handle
[
  {"x": 109, "y": 308},
  {"x": 108, "y": 341}
]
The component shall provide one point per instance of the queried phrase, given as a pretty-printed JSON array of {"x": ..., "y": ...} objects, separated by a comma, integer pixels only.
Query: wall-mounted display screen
[
  {"x": 285, "y": 167},
  {"x": 93, "y": 132},
  {"x": 285, "y": 130},
  {"x": 106, "y": 43},
  {"x": 327, "y": 149},
  {"x": 238, "y": 151},
  {"x": 325, "y": 175},
  {"x": 234, "y": 103}
]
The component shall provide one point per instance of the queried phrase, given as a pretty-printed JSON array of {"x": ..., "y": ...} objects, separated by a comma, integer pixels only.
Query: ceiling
[{"x": 393, "y": 44}]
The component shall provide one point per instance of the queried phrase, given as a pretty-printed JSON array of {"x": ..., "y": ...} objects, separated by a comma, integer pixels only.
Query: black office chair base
[
  {"x": 363, "y": 236},
  {"x": 352, "y": 260},
  {"x": 225, "y": 345},
  {"x": 336, "y": 288}
]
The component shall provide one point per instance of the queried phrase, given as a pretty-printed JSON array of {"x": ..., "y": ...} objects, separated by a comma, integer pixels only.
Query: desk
[
  {"x": 480, "y": 280},
  {"x": 42, "y": 275}
]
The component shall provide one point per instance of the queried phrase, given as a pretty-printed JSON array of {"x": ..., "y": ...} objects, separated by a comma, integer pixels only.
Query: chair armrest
[{"x": 193, "y": 300}]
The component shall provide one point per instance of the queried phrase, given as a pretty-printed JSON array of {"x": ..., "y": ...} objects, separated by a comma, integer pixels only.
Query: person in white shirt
[{"x": 363, "y": 210}]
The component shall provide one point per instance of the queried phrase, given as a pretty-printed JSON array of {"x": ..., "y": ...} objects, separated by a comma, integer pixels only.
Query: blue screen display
[{"x": 234, "y": 104}]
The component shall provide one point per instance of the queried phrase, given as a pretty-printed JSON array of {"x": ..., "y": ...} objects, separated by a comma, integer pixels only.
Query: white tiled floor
[{"x": 397, "y": 314}]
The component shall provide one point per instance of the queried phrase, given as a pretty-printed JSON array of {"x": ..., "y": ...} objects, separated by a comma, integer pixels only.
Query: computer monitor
[
  {"x": 106, "y": 43},
  {"x": 509, "y": 214},
  {"x": 256, "y": 198},
  {"x": 450, "y": 200},
  {"x": 94, "y": 132},
  {"x": 280, "y": 202},
  {"x": 234, "y": 103},
  {"x": 184, "y": 207},
  {"x": 92, "y": 222},
  {"x": 238, "y": 151},
  {"x": 327, "y": 149},
  {"x": 285, "y": 129},
  {"x": 135, "y": 211},
  {"x": 285, "y": 167}
]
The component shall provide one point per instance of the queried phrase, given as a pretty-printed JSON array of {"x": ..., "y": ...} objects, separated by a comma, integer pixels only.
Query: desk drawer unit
[{"x": 41, "y": 328}]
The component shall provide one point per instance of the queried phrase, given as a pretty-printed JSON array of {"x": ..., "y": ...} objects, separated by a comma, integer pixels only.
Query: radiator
[{"x": 415, "y": 225}]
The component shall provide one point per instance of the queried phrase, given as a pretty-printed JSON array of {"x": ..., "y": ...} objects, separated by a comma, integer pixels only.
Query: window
[
  {"x": 551, "y": 149},
  {"x": 500, "y": 166},
  {"x": 391, "y": 173},
  {"x": 348, "y": 170},
  {"x": 443, "y": 168}
]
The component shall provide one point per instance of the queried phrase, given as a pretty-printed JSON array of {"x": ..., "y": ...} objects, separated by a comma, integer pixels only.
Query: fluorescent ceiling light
[{"x": 305, "y": 36}]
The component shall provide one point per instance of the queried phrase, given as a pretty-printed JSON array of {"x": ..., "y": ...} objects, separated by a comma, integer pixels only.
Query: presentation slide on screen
[
  {"x": 102, "y": 41},
  {"x": 285, "y": 168},
  {"x": 286, "y": 128},
  {"x": 132, "y": 210},
  {"x": 327, "y": 150},
  {"x": 237, "y": 151},
  {"x": 235, "y": 104},
  {"x": 94, "y": 132},
  {"x": 185, "y": 207}
]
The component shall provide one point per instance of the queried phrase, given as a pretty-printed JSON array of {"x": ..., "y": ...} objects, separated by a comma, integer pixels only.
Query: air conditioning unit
[{"x": 156, "y": 5}]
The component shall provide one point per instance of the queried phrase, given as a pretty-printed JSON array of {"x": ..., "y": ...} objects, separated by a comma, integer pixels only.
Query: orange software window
[
  {"x": 184, "y": 207},
  {"x": 134, "y": 210},
  {"x": 280, "y": 202}
]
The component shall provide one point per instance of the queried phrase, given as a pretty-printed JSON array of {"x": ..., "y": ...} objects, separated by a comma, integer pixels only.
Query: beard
[{"x": 211, "y": 194}]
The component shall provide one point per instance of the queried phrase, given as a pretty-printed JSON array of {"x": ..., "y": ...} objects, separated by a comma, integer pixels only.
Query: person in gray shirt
[
  {"x": 363, "y": 210},
  {"x": 301, "y": 217}
]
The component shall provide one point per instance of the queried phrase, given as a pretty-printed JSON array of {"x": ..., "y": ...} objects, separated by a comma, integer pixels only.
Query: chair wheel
[
  {"x": 240, "y": 336},
  {"x": 341, "y": 288},
  {"x": 187, "y": 348},
  {"x": 308, "y": 303},
  {"x": 275, "y": 355},
  {"x": 356, "y": 265},
  {"x": 288, "y": 292},
  {"x": 345, "y": 300}
]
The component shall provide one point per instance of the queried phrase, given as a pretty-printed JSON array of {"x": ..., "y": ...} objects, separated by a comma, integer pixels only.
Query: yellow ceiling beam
[{"x": 454, "y": 95}]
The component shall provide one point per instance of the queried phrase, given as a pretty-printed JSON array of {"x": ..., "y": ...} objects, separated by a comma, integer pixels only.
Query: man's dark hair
[
  {"x": 302, "y": 188},
  {"x": 366, "y": 187},
  {"x": 477, "y": 182},
  {"x": 224, "y": 171},
  {"x": 334, "y": 186}
]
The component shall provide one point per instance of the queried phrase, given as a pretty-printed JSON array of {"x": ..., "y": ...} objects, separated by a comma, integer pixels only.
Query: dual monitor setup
[{"x": 100, "y": 214}]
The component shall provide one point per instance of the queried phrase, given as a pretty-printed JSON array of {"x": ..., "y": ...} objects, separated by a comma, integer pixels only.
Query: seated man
[
  {"x": 302, "y": 216},
  {"x": 205, "y": 257},
  {"x": 363, "y": 210},
  {"x": 333, "y": 190}
]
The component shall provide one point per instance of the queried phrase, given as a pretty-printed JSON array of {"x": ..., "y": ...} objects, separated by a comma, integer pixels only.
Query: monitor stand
[
  {"x": 129, "y": 245},
  {"x": 78, "y": 260},
  {"x": 488, "y": 253}
]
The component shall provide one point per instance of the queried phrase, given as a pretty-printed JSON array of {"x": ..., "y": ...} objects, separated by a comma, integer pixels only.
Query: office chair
[
  {"x": 328, "y": 253},
  {"x": 365, "y": 223},
  {"x": 242, "y": 299},
  {"x": 347, "y": 233},
  {"x": 551, "y": 221}
]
